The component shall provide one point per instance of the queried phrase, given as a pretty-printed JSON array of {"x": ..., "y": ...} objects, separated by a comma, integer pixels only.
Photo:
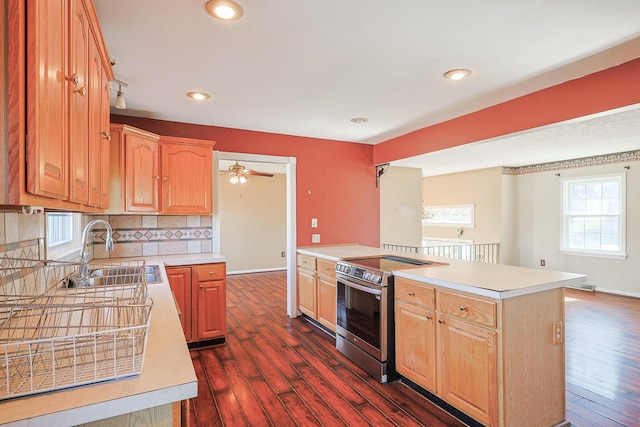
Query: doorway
[{"x": 288, "y": 166}]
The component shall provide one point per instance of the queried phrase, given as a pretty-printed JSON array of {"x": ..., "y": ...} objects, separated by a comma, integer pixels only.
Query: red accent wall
[
  {"x": 605, "y": 90},
  {"x": 335, "y": 180}
]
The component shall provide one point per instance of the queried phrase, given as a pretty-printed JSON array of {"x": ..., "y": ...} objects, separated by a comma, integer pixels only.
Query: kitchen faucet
[{"x": 80, "y": 278}]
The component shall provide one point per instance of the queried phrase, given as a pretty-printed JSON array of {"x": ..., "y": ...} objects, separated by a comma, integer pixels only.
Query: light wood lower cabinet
[
  {"x": 495, "y": 360},
  {"x": 317, "y": 289},
  {"x": 200, "y": 292}
]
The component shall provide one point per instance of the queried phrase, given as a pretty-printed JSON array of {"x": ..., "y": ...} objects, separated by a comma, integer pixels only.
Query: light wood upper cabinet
[
  {"x": 187, "y": 177},
  {"x": 142, "y": 173},
  {"x": 50, "y": 44},
  {"x": 78, "y": 87},
  {"x": 47, "y": 141},
  {"x": 99, "y": 137},
  {"x": 158, "y": 174}
]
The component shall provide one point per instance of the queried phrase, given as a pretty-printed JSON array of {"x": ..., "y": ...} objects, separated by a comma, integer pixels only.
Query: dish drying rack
[{"x": 54, "y": 335}]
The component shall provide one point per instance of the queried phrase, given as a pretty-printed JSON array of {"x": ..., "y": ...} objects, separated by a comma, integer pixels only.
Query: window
[
  {"x": 594, "y": 215},
  {"x": 453, "y": 215},
  {"x": 63, "y": 235}
]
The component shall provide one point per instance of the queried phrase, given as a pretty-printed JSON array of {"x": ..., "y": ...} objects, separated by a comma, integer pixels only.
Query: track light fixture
[{"x": 120, "y": 104}]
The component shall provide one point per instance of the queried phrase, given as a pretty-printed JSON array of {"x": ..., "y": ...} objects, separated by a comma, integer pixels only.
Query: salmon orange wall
[
  {"x": 335, "y": 180},
  {"x": 605, "y": 90}
]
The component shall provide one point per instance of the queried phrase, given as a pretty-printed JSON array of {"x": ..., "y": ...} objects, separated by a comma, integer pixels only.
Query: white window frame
[
  {"x": 428, "y": 211},
  {"x": 69, "y": 248},
  {"x": 620, "y": 253}
]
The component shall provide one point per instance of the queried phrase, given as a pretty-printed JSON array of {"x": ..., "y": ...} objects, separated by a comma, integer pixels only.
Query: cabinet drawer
[
  {"x": 476, "y": 310},
  {"x": 206, "y": 272},
  {"x": 307, "y": 262},
  {"x": 327, "y": 268},
  {"x": 414, "y": 293}
]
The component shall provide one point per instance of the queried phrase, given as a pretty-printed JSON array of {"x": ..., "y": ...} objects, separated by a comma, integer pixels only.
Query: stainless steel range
[{"x": 364, "y": 317}]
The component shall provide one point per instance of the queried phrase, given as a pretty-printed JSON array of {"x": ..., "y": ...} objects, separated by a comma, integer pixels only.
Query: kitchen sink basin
[{"x": 118, "y": 275}]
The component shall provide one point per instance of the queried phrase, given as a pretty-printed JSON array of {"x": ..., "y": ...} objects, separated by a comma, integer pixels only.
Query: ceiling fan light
[
  {"x": 234, "y": 180},
  {"x": 242, "y": 179}
]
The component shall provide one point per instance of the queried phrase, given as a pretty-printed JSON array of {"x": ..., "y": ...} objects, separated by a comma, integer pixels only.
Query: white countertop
[
  {"x": 491, "y": 280},
  {"x": 167, "y": 375}
]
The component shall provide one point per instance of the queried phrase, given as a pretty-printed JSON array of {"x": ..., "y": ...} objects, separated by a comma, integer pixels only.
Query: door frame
[{"x": 290, "y": 167}]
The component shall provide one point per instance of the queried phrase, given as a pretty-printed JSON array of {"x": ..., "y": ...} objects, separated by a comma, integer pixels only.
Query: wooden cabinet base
[{"x": 158, "y": 416}]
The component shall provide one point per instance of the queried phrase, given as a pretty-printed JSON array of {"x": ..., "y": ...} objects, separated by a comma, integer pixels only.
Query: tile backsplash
[
  {"x": 148, "y": 235},
  {"x": 134, "y": 235}
]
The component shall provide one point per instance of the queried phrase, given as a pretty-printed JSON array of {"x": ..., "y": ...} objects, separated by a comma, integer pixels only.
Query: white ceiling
[{"x": 307, "y": 67}]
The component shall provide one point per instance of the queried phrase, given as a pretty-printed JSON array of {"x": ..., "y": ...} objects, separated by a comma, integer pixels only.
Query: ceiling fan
[{"x": 239, "y": 174}]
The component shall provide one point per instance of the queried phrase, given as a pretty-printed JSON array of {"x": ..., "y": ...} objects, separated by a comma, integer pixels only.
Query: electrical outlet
[
  {"x": 542, "y": 263},
  {"x": 314, "y": 222},
  {"x": 557, "y": 332},
  {"x": 315, "y": 238}
]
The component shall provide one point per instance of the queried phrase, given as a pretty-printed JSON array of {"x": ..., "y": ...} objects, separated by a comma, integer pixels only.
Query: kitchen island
[
  {"x": 482, "y": 340},
  {"x": 153, "y": 397}
]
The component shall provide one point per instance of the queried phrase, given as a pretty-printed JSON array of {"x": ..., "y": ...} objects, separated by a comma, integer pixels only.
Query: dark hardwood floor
[
  {"x": 602, "y": 359},
  {"x": 280, "y": 371}
]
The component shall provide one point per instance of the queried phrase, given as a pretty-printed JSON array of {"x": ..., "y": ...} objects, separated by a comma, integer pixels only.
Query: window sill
[{"x": 594, "y": 255}]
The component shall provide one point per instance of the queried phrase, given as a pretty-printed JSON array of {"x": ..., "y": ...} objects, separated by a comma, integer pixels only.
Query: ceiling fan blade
[{"x": 255, "y": 173}]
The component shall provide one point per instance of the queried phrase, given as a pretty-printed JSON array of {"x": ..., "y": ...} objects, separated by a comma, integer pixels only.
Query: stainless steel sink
[{"x": 117, "y": 275}]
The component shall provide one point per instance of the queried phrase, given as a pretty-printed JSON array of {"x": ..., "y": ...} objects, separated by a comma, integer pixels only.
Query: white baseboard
[
  {"x": 616, "y": 292},
  {"x": 261, "y": 270}
]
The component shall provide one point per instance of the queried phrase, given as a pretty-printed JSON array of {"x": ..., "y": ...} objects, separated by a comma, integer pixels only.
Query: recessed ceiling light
[
  {"x": 227, "y": 10},
  {"x": 198, "y": 96},
  {"x": 359, "y": 120},
  {"x": 457, "y": 74}
]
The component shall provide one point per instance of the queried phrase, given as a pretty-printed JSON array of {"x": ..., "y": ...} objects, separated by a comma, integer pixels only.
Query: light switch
[
  {"x": 314, "y": 222},
  {"x": 315, "y": 238}
]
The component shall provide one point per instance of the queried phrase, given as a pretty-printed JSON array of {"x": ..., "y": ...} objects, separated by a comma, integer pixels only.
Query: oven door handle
[{"x": 363, "y": 288}]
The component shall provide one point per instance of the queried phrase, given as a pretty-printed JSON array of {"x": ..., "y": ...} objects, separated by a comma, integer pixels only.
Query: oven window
[{"x": 359, "y": 313}]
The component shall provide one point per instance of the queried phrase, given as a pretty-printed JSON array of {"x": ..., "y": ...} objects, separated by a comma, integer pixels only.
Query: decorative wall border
[
  {"x": 627, "y": 156},
  {"x": 147, "y": 235}
]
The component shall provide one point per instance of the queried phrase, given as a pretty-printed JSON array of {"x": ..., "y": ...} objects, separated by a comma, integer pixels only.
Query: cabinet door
[
  {"x": 212, "y": 299},
  {"x": 79, "y": 39},
  {"x": 327, "y": 302},
  {"x": 141, "y": 172},
  {"x": 186, "y": 179},
  {"x": 181, "y": 284},
  {"x": 468, "y": 369},
  {"x": 95, "y": 126},
  {"x": 416, "y": 344},
  {"x": 307, "y": 292},
  {"x": 47, "y": 143},
  {"x": 105, "y": 140}
]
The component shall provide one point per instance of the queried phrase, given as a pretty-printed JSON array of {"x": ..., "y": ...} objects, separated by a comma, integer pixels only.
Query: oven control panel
[{"x": 371, "y": 276}]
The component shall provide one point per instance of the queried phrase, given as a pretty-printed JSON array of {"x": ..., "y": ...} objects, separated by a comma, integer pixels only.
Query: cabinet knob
[
  {"x": 211, "y": 273},
  {"x": 73, "y": 79},
  {"x": 165, "y": 179},
  {"x": 82, "y": 91},
  {"x": 428, "y": 317},
  {"x": 105, "y": 135},
  {"x": 463, "y": 307},
  {"x": 411, "y": 293},
  {"x": 441, "y": 321},
  {"x": 157, "y": 177}
]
